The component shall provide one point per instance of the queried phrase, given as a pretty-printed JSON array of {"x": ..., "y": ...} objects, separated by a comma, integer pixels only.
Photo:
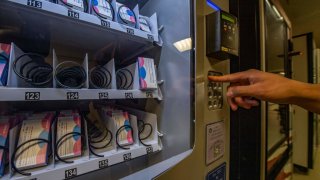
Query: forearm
[{"x": 306, "y": 95}]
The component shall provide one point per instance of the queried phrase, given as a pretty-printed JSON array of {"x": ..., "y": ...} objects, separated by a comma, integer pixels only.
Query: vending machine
[
  {"x": 216, "y": 42},
  {"x": 102, "y": 89}
]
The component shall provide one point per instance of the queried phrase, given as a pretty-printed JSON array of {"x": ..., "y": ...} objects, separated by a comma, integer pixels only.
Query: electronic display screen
[{"x": 228, "y": 18}]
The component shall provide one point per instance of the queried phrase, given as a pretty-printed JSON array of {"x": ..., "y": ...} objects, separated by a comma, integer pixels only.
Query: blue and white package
[
  {"x": 4, "y": 63},
  {"x": 103, "y": 9},
  {"x": 144, "y": 24},
  {"x": 4, "y": 133},
  {"x": 81, "y": 5},
  {"x": 126, "y": 15},
  {"x": 147, "y": 74}
]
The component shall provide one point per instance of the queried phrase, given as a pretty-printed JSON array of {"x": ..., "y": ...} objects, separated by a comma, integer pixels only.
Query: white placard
[{"x": 215, "y": 141}]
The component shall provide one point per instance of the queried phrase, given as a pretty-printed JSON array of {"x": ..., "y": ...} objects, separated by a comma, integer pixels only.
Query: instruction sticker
[{"x": 215, "y": 142}]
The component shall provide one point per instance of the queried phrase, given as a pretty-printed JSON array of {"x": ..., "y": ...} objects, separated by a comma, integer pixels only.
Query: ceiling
[
  {"x": 299, "y": 9},
  {"x": 304, "y": 16}
]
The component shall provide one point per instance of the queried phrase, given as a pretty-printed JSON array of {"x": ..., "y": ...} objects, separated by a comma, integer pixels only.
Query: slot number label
[
  {"x": 73, "y": 14},
  {"x": 34, "y": 3},
  {"x": 150, "y": 37},
  {"x": 149, "y": 150},
  {"x": 103, "y": 164},
  {"x": 72, "y": 95},
  {"x": 149, "y": 94},
  {"x": 127, "y": 157},
  {"x": 105, "y": 24},
  {"x": 104, "y": 95},
  {"x": 128, "y": 95},
  {"x": 130, "y": 31},
  {"x": 32, "y": 96},
  {"x": 70, "y": 173}
]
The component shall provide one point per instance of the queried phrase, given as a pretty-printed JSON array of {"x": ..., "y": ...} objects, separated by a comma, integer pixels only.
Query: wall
[{"x": 307, "y": 24}]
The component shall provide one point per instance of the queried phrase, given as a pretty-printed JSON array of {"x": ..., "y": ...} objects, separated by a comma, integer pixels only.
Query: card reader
[{"x": 222, "y": 35}]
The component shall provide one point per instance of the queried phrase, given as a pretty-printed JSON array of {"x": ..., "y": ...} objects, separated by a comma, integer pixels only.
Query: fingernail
[
  {"x": 234, "y": 108},
  {"x": 229, "y": 94}
]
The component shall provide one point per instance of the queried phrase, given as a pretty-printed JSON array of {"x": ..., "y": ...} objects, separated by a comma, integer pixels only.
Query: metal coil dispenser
[
  {"x": 33, "y": 69},
  {"x": 71, "y": 75},
  {"x": 100, "y": 77},
  {"x": 124, "y": 78}
]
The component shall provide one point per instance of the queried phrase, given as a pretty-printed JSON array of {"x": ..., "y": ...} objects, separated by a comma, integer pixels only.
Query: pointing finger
[{"x": 236, "y": 77}]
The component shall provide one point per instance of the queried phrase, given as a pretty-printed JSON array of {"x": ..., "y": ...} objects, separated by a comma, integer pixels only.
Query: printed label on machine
[
  {"x": 217, "y": 174},
  {"x": 215, "y": 141}
]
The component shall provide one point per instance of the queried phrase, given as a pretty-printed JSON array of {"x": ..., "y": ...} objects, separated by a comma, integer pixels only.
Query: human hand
[{"x": 256, "y": 84}]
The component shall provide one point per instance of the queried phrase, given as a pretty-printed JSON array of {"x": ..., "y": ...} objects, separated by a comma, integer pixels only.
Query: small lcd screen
[{"x": 228, "y": 18}]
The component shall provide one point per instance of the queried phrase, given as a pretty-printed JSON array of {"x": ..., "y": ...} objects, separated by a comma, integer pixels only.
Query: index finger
[{"x": 236, "y": 77}]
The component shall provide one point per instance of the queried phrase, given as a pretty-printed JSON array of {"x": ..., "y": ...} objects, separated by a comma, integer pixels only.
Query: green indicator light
[{"x": 228, "y": 18}]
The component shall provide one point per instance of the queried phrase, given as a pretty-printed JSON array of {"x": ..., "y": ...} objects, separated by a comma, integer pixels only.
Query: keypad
[{"x": 215, "y": 93}]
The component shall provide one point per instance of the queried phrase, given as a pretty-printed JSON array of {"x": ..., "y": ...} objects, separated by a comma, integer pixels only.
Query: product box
[
  {"x": 4, "y": 63},
  {"x": 2, "y": 161},
  {"x": 41, "y": 115},
  {"x": 4, "y": 132},
  {"x": 68, "y": 113},
  {"x": 147, "y": 74},
  {"x": 71, "y": 145},
  {"x": 125, "y": 135},
  {"x": 103, "y": 9},
  {"x": 19, "y": 117},
  {"x": 35, "y": 155},
  {"x": 144, "y": 24},
  {"x": 81, "y": 5},
  {"x": 126, "y": 15}
]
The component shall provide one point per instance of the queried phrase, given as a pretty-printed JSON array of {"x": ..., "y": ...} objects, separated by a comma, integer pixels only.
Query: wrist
[{"x": 300, "y": 92}]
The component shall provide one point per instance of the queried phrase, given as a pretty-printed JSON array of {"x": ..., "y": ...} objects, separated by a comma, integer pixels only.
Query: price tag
[
  {"x": 32, "y": 96},
  {"x": 149, "y": 94},
  {"x": 128, "y": 95},
  {"x": 149, "y": 149},
  {"x": 34, "y": 3},
  {"x": 150, "y": 37},
  {"x": 70, "y": 173},
  {"x": 104, "y": 95},
  {"x": 72, "y": 95},
  {"x": 73, "y": 14},
  {"x": 127, "y": 157},
  {"x": 105, "y": 24},
  {"x": 130, "y": 31},
  {"x": 103, "y": 164}
]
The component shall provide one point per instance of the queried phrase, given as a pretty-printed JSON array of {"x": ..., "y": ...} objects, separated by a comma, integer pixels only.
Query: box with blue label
[
  {"x": 147, "y": 74},
  {"x": 4, "y": 132},
  {"x": 32, "y": 151},
  {"x": 4, "y": 63}
]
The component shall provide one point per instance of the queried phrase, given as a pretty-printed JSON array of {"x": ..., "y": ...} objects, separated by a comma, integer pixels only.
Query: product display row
[
  {"x": 108, "y": 14},
  {"x": 25, "y": 70},
  {"x": 32, "y": 142},
  {"x": 111, "y": 10}
]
